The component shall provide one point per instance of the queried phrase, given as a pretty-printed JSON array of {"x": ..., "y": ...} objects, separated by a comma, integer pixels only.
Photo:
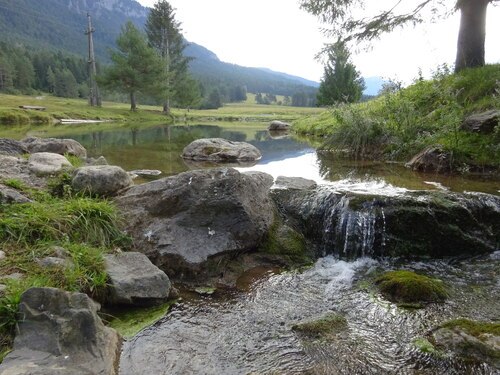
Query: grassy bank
[
  {"x": 401, "y": 123},
  {"x": 76, "y": 230},
  {"x": 63, "y": 108}
]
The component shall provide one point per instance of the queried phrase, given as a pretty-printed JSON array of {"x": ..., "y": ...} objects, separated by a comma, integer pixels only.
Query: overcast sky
[{"x": 278, "y": 35}]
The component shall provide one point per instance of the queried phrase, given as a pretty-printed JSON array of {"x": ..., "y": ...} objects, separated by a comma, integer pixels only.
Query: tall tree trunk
[
  {"x": 133, "y": 102},
  {"x": 472, "y": 33},
  {"x": 166, "y": 107}
]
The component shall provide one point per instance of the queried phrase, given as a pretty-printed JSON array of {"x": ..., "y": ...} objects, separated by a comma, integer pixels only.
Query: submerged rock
[
  {"x": 182, "y": 221},
  {"x": 55, "y": 145},
  {"x": 471, "y": 340},
  {"x": 61, "y": 334},
  {"x": 135, "y": 280},
  {"x": 414, "y": 224},
  {"x": 220, "y": 150},
  {"x": 105, "y": 180}
]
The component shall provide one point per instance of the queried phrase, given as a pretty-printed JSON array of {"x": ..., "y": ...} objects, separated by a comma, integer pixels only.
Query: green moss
[
  {"x": 425, "y": 345},
  {"x": 325, "y": 328},
  {"x": 409, "y": 287},
  {"x": 285, "y": 242},
  {"x": 471, "y": 340},
  {"x": 131, "y": 321},
  {"x": 474, "y": 328}
]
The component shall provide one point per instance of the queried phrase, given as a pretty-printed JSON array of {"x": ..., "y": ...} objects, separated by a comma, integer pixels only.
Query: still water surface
[{"x": 159, "y": 147}]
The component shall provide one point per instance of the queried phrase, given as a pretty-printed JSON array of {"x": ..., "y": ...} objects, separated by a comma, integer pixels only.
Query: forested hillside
[{"x": 60, "y": 25}]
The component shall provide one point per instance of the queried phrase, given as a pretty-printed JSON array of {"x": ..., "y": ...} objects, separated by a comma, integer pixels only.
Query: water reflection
[{"x": 159, "y": 147}]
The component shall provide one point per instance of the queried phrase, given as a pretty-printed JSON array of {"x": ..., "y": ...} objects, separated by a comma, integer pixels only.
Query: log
[{"x": 32, "y": 107}]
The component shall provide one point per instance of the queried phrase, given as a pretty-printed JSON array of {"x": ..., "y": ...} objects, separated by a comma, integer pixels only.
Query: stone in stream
[
  {"x": 55, "y": 145},
  {"x": 432, "y": 159},
  {"x": 105, "y": 180},
  {"x": 471, "y": 340},
  {"x": 183, "y": 221},
  {"x": 278, "y": 126},
  {"x": 61, "y": 334},
  {"x": 135, "y": 280},
  {"x": 413, "y": 224},
  {"x": 220, "y": 150}
]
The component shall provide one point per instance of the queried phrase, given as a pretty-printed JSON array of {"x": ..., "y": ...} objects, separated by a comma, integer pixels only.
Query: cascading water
[{"x": 250, "y": 331}]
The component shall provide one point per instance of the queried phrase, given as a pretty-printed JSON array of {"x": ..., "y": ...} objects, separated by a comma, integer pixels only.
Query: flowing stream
[
  {"x": 248, "y": 329},
  {"x": 250, "y": 332}
]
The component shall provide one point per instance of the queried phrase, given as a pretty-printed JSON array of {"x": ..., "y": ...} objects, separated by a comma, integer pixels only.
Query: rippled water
[{"x": 250, "y": 332}]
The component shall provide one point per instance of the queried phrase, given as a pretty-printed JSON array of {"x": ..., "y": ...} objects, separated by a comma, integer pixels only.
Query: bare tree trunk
[
  {"x": 133, "y": 102},
  {"x": 472, "y": 33}
]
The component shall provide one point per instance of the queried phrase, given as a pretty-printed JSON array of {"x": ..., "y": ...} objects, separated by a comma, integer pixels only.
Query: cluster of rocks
[
  {"x": 33, "y": 159},
  {"x": 187, "y": 226}
]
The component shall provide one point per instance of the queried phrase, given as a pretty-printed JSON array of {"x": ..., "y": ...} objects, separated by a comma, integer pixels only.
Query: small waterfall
[
  {"x": 350, "y": 225},
  {"x": 352, "y": 233}
]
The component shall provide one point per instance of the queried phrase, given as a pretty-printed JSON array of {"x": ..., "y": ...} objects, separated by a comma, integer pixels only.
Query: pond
[{"x": 159, "y": 147}]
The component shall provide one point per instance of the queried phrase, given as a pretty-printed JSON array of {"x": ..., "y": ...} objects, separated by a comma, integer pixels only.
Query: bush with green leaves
[{"x": 401, "y": 122}]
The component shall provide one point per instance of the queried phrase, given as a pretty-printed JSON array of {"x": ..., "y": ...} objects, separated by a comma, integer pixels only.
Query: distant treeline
[
  {"x": 26, "y": 71},
  {"x": 30, "y": 71}
]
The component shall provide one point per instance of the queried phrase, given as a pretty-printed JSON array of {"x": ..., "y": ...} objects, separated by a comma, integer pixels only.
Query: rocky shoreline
[{"x": 206, "y": 227}]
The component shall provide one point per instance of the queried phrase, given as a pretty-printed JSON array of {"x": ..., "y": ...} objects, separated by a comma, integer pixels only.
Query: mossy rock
[
  {"x": 410, "y": 288},
  {"x": 469, "y": 339},
  {"x": 325, "y": 328},
  {"x": 287, "y": 243},
  {"x": 130, "y": 321}
]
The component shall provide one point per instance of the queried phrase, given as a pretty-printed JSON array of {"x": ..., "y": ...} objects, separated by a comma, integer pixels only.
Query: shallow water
[
  {"x": 159, "y": 147},
  {"x": 250, "y": 332}
]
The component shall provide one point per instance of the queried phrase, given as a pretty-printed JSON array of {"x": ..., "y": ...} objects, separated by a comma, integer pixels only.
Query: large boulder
[
  {"x": 12, "y": 147},
  {"x": 414, "y": 224},
  {"x": 484, "y": 122},
  {"x": 220, "y": 150},
  {"x": 105, "y": 180},
  {"x": 135, "y": 280},
  {"x": 56, "y": 146},
  {"x": 47, "y": 163},
  {"x": 60, "y": 333},
  {"x": 432, "y": 159},
  {"x": 182, "y": 221}
]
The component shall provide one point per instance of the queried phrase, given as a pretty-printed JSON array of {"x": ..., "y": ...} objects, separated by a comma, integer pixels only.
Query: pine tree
[
  {"x": 341, "y": 82},
  {"x": 164, "y": 35},
  {"x": 50, "y": 78},
  {"x": 135, "y": 66}
]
